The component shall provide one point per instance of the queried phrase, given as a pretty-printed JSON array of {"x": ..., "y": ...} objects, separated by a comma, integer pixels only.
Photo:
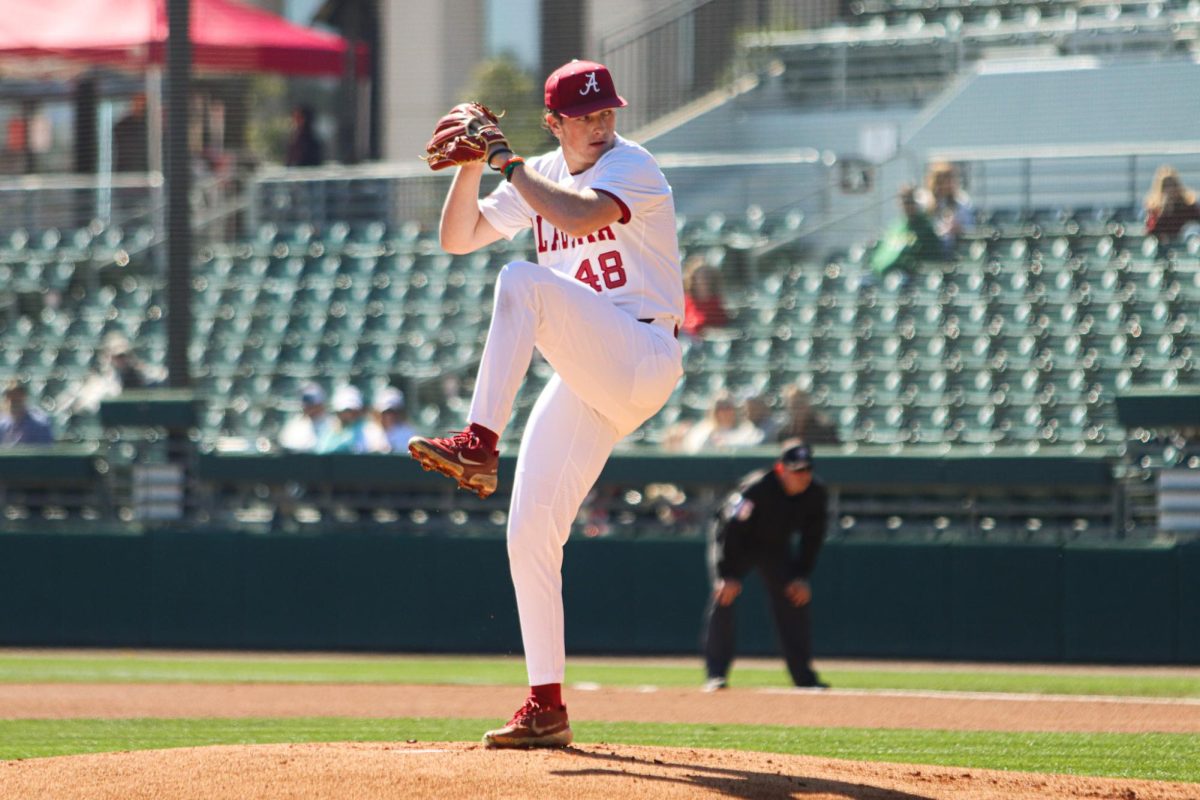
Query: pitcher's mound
[{"x": 366, "y": 771}]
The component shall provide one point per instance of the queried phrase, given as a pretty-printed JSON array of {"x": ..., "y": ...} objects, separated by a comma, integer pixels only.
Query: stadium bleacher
[
  {"x": 907, "y": 52},
  {"x": 1023, "y": 339},
  {"x": 1053, "y": 305}
]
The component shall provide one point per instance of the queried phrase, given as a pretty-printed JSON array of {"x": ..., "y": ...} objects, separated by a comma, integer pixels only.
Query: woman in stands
[
  {"x": 802, "y": 421},
  {"x": 948, "y": 206},
  {"x": 703, "y": 303},
  {"x": 1170, "y": 206},
  {"x": 724, "y": 429}
]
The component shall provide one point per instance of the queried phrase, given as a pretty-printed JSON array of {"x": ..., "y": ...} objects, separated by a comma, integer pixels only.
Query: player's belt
[{"x": 652, "y": 320}]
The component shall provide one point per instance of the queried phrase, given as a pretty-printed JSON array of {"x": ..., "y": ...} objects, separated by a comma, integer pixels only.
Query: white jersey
[{"x": 635, "y": 262}]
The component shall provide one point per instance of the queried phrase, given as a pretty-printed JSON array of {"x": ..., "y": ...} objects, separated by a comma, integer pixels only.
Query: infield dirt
[
  {"x": 457, "y": 771},
  {"x": 407, "y": 769}
]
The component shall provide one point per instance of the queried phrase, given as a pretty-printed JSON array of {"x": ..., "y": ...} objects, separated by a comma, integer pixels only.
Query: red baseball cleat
[
  {"x": 533, "y": 726},
  {"x": 462, "y": 457}
]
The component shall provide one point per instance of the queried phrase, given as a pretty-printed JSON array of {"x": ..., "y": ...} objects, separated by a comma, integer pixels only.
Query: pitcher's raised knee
[{"x": 517, "y": 277}]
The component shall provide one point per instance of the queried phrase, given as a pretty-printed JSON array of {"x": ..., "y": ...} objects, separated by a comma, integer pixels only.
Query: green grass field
[
  {"x": 38, "y": 668},
  {"x": 1148, "y": 756}
]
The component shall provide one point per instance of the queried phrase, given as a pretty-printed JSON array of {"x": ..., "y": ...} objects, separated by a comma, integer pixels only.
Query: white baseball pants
[{"x": 613, "y": 373}]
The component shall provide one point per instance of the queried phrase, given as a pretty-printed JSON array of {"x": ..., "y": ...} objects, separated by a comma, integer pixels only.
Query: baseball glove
[{"x": 465, "y": 135}]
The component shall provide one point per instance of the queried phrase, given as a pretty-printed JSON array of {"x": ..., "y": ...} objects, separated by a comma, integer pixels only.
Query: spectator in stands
[
  {"x": 302, "y": 431},
  {"x": 131, "y": 139},
  {"x": 703, "y": 303},
  {"x": 354, "y": 431},
  {"x": 23, "y": 424},
  {"x": 909, "y": 241},
  {"x": 118, "y": 369},
  {"x": 675, "y": 435},
  {"x": 1170, "y": 206},
  {"x": 802, "y": 421},
  {"x": 722, "y": 429},
  {"x": 304, "y": 149},
  {"x": 757, "y": 411},
  {"x": 948, "y": 206},
  {"x": 393, "y": 419},
  {"x": 130, "y": 371}
]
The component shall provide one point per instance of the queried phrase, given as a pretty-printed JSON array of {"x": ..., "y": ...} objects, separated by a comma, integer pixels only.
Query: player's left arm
[{"x": 577, "y": 213}]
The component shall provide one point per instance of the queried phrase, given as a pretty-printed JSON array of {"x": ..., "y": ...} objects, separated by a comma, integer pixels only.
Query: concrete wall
[{"x": 429, "y": 51}]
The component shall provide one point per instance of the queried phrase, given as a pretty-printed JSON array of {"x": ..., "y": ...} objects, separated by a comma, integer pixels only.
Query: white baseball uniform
[{"x": 603, "y": 310}]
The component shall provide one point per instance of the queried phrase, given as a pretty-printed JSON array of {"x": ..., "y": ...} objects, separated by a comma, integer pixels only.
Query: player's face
[
  {"x": 797, "y": 481},
  {"x": 584, "y": 139}
]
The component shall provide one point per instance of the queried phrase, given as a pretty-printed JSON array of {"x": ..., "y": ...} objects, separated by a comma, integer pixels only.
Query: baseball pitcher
[{"x": 603, "y": 305}]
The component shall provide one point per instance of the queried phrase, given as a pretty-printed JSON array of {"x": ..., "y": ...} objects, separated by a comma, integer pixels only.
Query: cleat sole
[
  {"x": 561, "y": 739},
  {"x": 482, "y": 485}
]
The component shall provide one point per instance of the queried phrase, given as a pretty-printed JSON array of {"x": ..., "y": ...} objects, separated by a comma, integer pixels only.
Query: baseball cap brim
[
  {"x": 583, "y": 109},
  {"x": 797, "y": 457}
]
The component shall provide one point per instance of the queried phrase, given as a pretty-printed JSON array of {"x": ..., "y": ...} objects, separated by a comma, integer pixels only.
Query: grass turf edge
[
  {"x": 510, "y": 671},
  {"x": 1147, "y": 756}
]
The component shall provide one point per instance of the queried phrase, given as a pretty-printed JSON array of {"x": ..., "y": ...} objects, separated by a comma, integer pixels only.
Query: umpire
[{"x": 754, "y": 529}]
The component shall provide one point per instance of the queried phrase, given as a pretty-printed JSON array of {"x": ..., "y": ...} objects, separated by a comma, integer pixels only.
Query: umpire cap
[{"x": 796, "y": 456}]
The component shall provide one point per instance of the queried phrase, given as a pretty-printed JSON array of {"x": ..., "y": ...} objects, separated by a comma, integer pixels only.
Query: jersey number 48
[{"x": 612, "y": 271}]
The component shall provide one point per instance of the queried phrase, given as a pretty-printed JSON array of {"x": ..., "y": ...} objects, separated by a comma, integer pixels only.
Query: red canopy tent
[{"x": 227, "y": 36}]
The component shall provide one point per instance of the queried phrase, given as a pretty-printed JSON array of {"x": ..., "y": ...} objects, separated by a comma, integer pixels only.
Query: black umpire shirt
[{"x": 758, "y": 520}]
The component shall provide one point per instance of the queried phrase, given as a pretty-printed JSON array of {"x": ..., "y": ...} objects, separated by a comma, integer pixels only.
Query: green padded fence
[
  {"x": 41, "y": 465},
  {"x": 998, "y": 469},
  {"x": 1159, "y": 408},
  {"x": 220, "y": 589},
  {"x": 1188, "y": 576}
]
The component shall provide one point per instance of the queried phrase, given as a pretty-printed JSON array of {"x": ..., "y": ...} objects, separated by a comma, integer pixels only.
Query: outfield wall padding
[
  {"x": 392, "y": 592},
  {"x": 1188, "y": 578},
  {"x": 1120, "y": 601},
  {"x": 1001, "y": 469}
]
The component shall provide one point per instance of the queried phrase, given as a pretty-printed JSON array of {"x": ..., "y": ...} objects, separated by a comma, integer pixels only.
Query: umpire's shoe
[
  {"x": 533, "y": 726},
  {"x": 462, "y": 457}
]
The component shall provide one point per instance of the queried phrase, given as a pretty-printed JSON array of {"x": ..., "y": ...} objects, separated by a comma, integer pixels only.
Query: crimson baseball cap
[{"x": 581, "y": 87}]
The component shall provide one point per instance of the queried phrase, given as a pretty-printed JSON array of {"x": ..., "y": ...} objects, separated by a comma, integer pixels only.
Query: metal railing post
[
  {"x": 1133, "y": 184},
  {"x": 1027, "y": 184}
]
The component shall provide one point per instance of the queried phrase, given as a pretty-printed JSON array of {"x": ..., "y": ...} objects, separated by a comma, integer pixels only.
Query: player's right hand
[
  {"x": 727, "y": 589},
  {"x": 798, "y": 592}
]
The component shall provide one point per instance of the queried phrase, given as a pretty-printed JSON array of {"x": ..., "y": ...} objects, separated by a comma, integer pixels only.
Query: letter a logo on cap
[{"x": 579, "y": 88}]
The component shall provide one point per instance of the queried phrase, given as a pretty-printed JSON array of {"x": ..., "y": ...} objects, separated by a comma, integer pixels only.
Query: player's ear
[{"x": 553, "y": 123}]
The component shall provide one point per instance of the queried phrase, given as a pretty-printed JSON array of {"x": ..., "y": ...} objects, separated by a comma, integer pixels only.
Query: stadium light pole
[{"x": 178, "y": 180}]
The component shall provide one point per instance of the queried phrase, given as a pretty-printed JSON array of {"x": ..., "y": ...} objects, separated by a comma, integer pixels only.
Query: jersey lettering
[
  {"x": 612, "y": 268},
  {"x": 550, "y": 239},
  {"x": 585, "y": 275},
  {"x": 612, "y": 271}
]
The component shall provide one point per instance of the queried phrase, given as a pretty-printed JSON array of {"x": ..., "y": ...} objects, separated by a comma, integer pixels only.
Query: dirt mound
[{"x": 366, "y": 771}]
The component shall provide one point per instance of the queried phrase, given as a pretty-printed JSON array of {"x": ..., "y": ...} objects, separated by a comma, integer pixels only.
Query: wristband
[
  {"x": 509, "y": 166},
  {"x": 496, "y": 153}
]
